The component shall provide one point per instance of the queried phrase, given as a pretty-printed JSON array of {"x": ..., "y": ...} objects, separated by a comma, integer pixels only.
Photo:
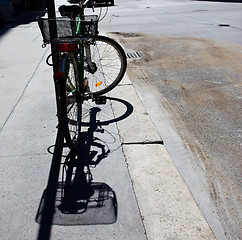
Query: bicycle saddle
[{"x": 71, "y": 11}]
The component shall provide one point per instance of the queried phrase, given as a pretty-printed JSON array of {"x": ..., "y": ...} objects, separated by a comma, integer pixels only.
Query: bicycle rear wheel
[
  {"x": 111, "y": 63},
  {"x": 73, "y": 109}
]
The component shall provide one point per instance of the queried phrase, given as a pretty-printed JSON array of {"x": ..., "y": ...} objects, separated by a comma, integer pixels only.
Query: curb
[{"x": 167, "y": 207}]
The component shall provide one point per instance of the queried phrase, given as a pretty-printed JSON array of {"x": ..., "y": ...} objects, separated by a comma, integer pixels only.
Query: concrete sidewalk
[
  {"x": 28, "y": 128},
  {"x": 153, "y": 200}
]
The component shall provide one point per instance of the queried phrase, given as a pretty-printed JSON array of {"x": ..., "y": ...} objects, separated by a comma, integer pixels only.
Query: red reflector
[
  {"x": 59, "y": 75},
  {"x": 66, "y": 47}
]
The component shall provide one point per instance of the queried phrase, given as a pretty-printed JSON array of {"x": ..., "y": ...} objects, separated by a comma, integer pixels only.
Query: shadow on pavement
[
  {"x": 100, "y": 208},
  {"x": 22, "y": 17},
  {"x": 227, "y": 1},
  {"x": 76, "y": 199}
]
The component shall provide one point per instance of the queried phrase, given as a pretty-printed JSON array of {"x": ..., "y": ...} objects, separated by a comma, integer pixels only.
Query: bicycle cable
[
  {"x": 100, "y": 13},
  {"x": 105, "y": 14}
]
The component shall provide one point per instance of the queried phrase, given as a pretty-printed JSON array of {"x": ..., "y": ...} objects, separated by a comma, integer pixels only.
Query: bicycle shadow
[{"x": 73, "y": 201}]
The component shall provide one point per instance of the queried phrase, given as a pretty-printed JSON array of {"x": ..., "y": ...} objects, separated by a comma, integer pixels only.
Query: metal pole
[
  {"x": 55, "y": 54},
  {"x": 50, "y": 194},
  {"x": 53, "y": 32}
]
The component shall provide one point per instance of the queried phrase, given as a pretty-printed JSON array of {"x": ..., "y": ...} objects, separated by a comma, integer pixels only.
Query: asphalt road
[
  {"x": 198, "y": 94},
  {"x": 189, "y": 80},
  {"x": 218, "y": 20}
]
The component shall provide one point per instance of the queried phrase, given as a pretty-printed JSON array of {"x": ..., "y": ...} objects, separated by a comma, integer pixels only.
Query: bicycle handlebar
[
  {"x": 93, "y": 3},
  {"x": 85, "y": 3}
]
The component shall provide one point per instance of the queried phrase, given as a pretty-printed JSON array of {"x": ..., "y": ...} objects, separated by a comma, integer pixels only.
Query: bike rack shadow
[{"x": 85, "y": 204}]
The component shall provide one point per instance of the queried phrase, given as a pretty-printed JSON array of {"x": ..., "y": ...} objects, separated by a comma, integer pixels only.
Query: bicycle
[{"x": 89, "y": 66}]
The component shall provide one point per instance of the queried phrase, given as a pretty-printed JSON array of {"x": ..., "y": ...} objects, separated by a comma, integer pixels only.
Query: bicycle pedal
[{"x": 100, "y": 100}]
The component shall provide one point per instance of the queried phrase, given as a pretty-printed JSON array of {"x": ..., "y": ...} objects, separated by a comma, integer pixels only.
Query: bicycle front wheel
[
  {"x": 72, "y": 112},
  {"x": 110, "y": 62}
]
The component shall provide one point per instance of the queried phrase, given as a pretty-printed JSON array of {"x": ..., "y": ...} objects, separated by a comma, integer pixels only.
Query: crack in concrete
[{"x": 143, "y": 143}]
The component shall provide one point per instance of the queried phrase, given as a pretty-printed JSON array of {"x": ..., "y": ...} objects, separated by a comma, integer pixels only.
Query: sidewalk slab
[
  {"x": 21, "y": 52},
  {"x": 167, "y": 207},
  {"x": 138, "y": 127}
]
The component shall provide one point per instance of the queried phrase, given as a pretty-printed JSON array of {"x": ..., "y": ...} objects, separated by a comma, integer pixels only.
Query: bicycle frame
[
  {"x": 82, "y": 51},
  {"x": 71, "y": 56},
  {"x": 74, "y": 43}
]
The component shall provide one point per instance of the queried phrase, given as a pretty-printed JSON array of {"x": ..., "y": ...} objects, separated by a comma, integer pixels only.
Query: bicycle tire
[
  {"x": 72, "y": 112},
  {"x": 111, "y": 63}
]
